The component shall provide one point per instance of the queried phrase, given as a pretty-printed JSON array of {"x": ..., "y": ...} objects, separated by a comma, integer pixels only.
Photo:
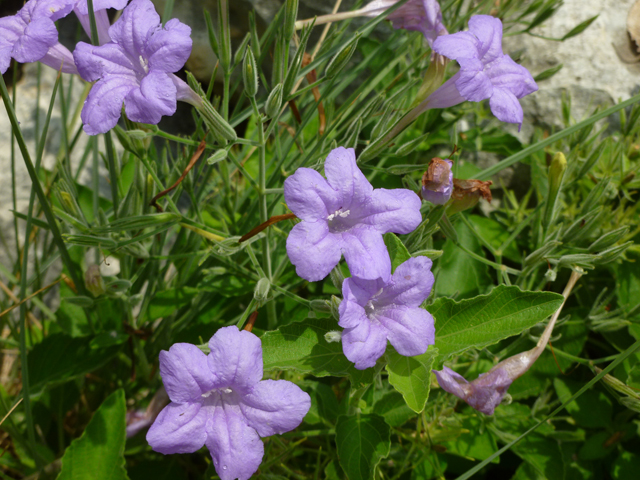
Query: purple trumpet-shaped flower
[
  {"x": 31, "y": 35},
  {"x": 81, "y": 9},
  {"x": 423, "y": 16},
  {"x": 485, "y": 72},
  {"x": 487, "y": 391},
  {"x": 136, "y": 68},
  {"x": 437, "y": 181},
  {"x": 220, "y": 400},
  {"x": 374, "y": 311},
  {"x": 345, "y": 215}
]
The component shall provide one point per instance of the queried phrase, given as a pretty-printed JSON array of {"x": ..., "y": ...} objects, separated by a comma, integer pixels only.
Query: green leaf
[
  {"x": 626, "y": 466},
  {"x": 581, "y": 27},
  {"x": 99, "y": 453},
  {"x": 324, "y": 405},
  {"x": 302, "y": 347},
  {"x": 460, "y": 275},
  {"x": 593, "y": 409},
  {"x": 394, "y": 409},
  {"x": 397, "y": 251},
  {"x": 59, "y": 358},
  {"x": 433, "y": 467},
  {"x": 487, "y": 319},
  {"x": 362, "y": 441},
  {"x": 168, "y": 301},
  {"x": 548, "y": 73},
  {"x": 495, "y": 235},
  {"x": 411, "y": 376},
  {"x": 469, "y": 443}
]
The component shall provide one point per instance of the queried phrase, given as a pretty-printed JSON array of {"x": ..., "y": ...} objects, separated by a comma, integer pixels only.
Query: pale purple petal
[
  {"x": 185, "y": 373},
  {"x": 451, "y": 382},
  {"x": 409, "y": 330},
  {"x": 437, "y": 182},
  {"x": 53, "y": 9},
  {"x": 235, "y": 359},
  {"x": 101, "y": 110},
  {"x": 505, "y": 106},
  {"x": 155, "y": 97},
  {"x": 236, "y": 448},
  {"x": 395, "y": 211},
  {"x": 505, "y": 73},
  {"x": 83, "y": 7},
  {"x": 356, "y": 293},
  {"x": 132, "y": 30},
  {"x": 313, "y": 250},
  {"x": 366, "y": 254},
  {"x": 95, "y": 62},
  {"x": 488, "y": 30},
  {"x": 275, "y": 406},
  {"x": 59, "y": 57},
  {"x": 168, "y": 49},
  {"x": 410, "y": 284},
  {"x": 38, "y": 37},
  {"x": 457, "y": 45},
  {"x": 309, "y": 196},
  {"x": 345, "y": 177},
  {"x": 364, "y": 344},
  {"x": 473, "y": 84},
  {"x": 180, "y": 428},
  {"x": 10, "y": 30},
  {"x": 447, "y": 95},
  {"x": 102, "y": 24}
]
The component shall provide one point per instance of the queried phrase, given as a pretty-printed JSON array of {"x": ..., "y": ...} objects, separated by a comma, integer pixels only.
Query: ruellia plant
[{"x": 312, "y": 277}]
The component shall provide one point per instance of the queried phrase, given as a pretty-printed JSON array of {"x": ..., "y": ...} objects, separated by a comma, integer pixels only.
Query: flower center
[
  {"x": 220, "y": 392},
  {"x": 373, "y": 306},
  {"x": 338, "y": 221},
  {"x": 144, "y": 63}
]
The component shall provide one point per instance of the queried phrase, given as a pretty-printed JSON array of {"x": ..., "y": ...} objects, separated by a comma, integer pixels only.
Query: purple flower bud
[
  {"x": 423, "y": 16},
  {"x": 485, "y": 72},
  {"x": 437, "y": 181},
  {"x": 220, "y": 400},
  {"x": 374, "y": 311},
  {"x": 345, "y": 215},
  {"x": 30, "y": 36},
  {"x": 136, "y": 67}
]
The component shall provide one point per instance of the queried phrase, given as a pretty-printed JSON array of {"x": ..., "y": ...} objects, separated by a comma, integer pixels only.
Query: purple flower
[
  {"x": 374, "y": 311},
  {"x": 423, "y": 16},
  {"x": 136, "y": 68},
  {"x": 437, "y": 181},
  {"x": 484, "y": 393},
  {"x": 345, "y": 215},
  {"x": 30, "y": 36},
  {"x": 485, "y": 72},
  {"x": 81, "y": 9},
  {"x": 219, "y": 400}
]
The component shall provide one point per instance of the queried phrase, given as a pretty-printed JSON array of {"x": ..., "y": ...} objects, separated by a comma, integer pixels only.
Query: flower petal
[
  {"x": 155, "y": 97},
  {"x": 411, "y": 283},
  {"x": 343, "y": 175},
  {"x": 100, "y": 5},
  {"x": 236, "y": 448},
  {"x": 132, "y": 30},
  {"x": 185, "y": 373},
  {"x": 366, "y": 254},
  {"x": 488, "y": 30},
  {"x": 313, "y": 250},
  {"x": 457, "y": 45},
  {"x": 179, "y": 428},
  {"x": 473, "y": 84},
  {"x": 364, "y": 344},
  {"x": 452, "y": 382},
  {"x": 447, "y": 95},
  {"x": 505, "y": 106},
  {"x": 396, "y": 210},
  {"x": 488, "y": 390},
  {"x": 34, "y": 43},
  {"x": 101, "y": 110},
  {"x": 505, "y": 73},
  {"x": 409, "y": 330},
  {"x": 10, "y": 30},
  {"x": 309, "y": 196},
  {"x": 95, "y": 62},
  {"x": 169, "y": 49},
  {"x": 53, "y": 9},
  {"x": 275, "y": 406},
  {"x": 235, "y": 358},
  {"x": 356, "y": 293}
]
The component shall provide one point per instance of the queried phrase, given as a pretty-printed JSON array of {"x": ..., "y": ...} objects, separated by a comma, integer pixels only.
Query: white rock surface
[{"x": 592, "y": 74}]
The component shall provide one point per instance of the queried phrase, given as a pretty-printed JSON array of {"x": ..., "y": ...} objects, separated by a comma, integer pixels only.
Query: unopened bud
[
  {"x": 261, "y": 291},
  {"x": 274, "y": 102},
  {"x": 290, "y": 15},
  {"x": 217, "y": 156},
  {"x": 93, "y": 281},
  {"x": 118, "y": 286},
  {"x": 250, "y": 74},
  {"x": 240, "y": 52},
  {"x": 611, "y": 254},
  {"x": 433, "y": 78},
  {"x": 333, "y": 336},
  {"x": 551, "y": 275},
  {"x": 337, "y": 277},
  {"x": 537, "y": 255},
  {"x": 410, "y": 146},
  {"x": 320, "y": 305},
  {"x": 556, "y": 174},
  {"x": 335, "y": 307},
  {"x": 437, "y": 181},
  {"x": 221, "y": 129},
  {"x": 608, "y": 239},
  {"x": 340, "y": 59}
]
